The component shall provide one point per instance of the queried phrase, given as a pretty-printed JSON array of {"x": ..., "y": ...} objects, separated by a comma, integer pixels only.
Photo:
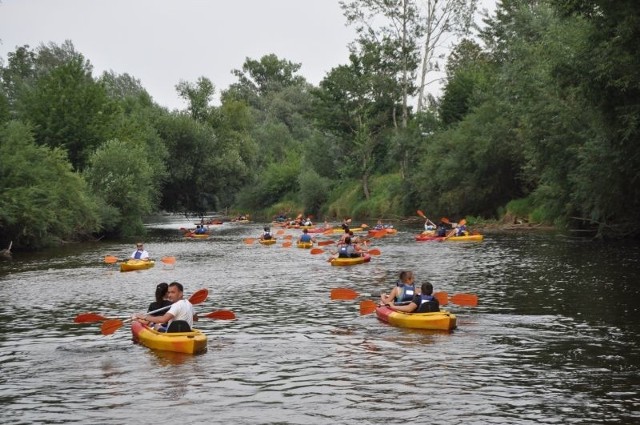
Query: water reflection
[{"x": 554, "y": 338}]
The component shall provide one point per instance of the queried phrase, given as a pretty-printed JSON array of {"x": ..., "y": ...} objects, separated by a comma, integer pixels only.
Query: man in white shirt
[
  {"x": 140, "y": 253},
  {"x": 181, "y": 309}
]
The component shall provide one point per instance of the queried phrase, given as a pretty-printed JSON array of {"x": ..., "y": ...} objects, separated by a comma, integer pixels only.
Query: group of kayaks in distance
[{"x": 353, "y": 247}]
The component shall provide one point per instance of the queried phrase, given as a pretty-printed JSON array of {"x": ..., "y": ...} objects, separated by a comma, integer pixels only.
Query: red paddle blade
[
  {"x": 110, "y": 259},
  {"x": 421, "y": 214},
  {"x": 280, "y": 232},
  {"x": 445, "y": 220},
  {"x": 367, "y": 307},
  {"x": 288, "y": 237},
  {"x": 110, "y": 326},
  {"x": 221, "y": 315},
  {"x": 249, "y": 241},
  {"x": 316, "y": 251},
  {"x": 469, "y": 300},
  {"x": 89, "y": 318},
  {"x": 286, "y": 244},
  {"x": 343, "y": 294},
  {"x": 462, "y": 222},
  {"x": 442, "y": 297},
  {"x": 168, "y": 260},
  {"x": 199, "y": 296},
  {"x": 374, "y": 251},
  {"x": 325, "y": 243}
]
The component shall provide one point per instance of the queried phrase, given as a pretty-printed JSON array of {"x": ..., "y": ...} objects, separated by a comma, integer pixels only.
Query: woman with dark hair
[{"x": 161, "y": 300}]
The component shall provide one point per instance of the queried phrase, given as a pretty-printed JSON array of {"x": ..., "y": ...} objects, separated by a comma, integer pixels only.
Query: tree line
[{"x": 538, "y": 119}]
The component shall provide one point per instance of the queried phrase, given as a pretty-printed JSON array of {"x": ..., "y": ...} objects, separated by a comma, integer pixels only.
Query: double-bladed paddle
[{"x": 368, "y": 306}]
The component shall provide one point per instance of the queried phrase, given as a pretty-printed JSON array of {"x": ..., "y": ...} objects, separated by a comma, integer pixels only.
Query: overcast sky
[{"x": 161, "y": 42}]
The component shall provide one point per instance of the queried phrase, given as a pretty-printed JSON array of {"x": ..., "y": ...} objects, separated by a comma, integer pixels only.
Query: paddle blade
[
  {"x": 199, "y": 296},
  {"x": 110, "y": 259},
  {"x": 367, "y": 307},
  {"x": 280, "y": 232},
  {"x": 343, "y": 294},
  {"x": 315, "y": 251},
  {"x": 110, "y": 326},
  {"x": 374, "y": 251},
  {"x": 469, "y": 300},
  {"x": 328, "y": 232},
  {"x": 445, "y": 220},
  {"x": 286, "y": 244},
  {"x": 325, "y": 243},
  {"x": 249, "y": 241},
  {"x": 89, "y": 318},
  {"x": 364, "y": 225},
  {"x": 221, "y": 315},
  {"x": 442, "y": 297},
  {"x": 288, "y": 237},
  {"x": 421, "y": 214},
  {"x": 168, "y": 260}
]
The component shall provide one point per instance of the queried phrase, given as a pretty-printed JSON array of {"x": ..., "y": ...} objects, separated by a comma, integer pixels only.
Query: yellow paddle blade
[
  {"x": 343, "y": 294},
  {"x": 367, "y": 307}
]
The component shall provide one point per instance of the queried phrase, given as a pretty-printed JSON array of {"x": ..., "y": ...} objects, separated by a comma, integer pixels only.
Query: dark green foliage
[{"x": 42, "y": 201}]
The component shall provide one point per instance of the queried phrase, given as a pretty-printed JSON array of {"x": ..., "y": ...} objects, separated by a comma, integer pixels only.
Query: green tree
[
  {"x": 121, "y": 177},
  {"x": 42, "y": 201}
]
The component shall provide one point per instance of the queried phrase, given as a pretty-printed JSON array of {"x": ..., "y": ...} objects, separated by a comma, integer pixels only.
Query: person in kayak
[
  {"x": 305, "y": 236},
  {"x": 403, "y": 292},
  {"x": 424, "y": 302},
  {"x": 140, "y": 253},
  {"x": 161, "y": 301},
  {"x": 266, "y": 235},
  {"x": 180, "y": 316},
  {"x": 348, "y": 250}
]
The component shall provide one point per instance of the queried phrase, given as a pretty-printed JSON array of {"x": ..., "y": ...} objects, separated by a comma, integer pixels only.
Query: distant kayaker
[
  {"x": 305, "y": 236},
  {"x": 181, "y": 311},
  {"x": 403, "y": 292},
  {"x": 140, "y": 253},
  {"x": 348, "y": 250},
  {"x": 421, "y": 303},
  {"x": 266, "y": 234}
]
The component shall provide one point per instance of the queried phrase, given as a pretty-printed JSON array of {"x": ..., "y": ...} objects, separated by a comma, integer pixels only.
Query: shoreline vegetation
[{"x": 85, "y": 157}]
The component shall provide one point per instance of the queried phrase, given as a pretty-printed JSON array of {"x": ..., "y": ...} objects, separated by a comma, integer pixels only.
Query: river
[{"x": 555, "y": 338}]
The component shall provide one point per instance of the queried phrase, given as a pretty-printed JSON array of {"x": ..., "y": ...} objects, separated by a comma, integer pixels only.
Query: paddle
[
  {"x": 197, "y": 297},
  {"x": 463, "y": 299},
  {"x": 286, "y": 244},
  {"x": 221, "y": 315},
  {"x": 325, "y": 243},
  {"x": 249, "y": 241},
  {"x": 110, "y": 259},
  {"x": 421, "y": 214}
]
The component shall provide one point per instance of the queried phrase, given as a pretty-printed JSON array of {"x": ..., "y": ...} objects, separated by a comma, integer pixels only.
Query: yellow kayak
[
  {"x": 267, "y": 241},
  {"x": 350, "y": 261},
  {"x": 466, "y": 238},
  {"x": 131, "y": 265},
  {"x": 440, "y": 321},
  {"x": 305, "y": 245},
  {"x": 179, "y": 342}
]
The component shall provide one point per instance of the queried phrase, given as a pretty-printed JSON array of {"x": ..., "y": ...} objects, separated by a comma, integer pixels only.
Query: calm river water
[{"x": 555, "y": 339}]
